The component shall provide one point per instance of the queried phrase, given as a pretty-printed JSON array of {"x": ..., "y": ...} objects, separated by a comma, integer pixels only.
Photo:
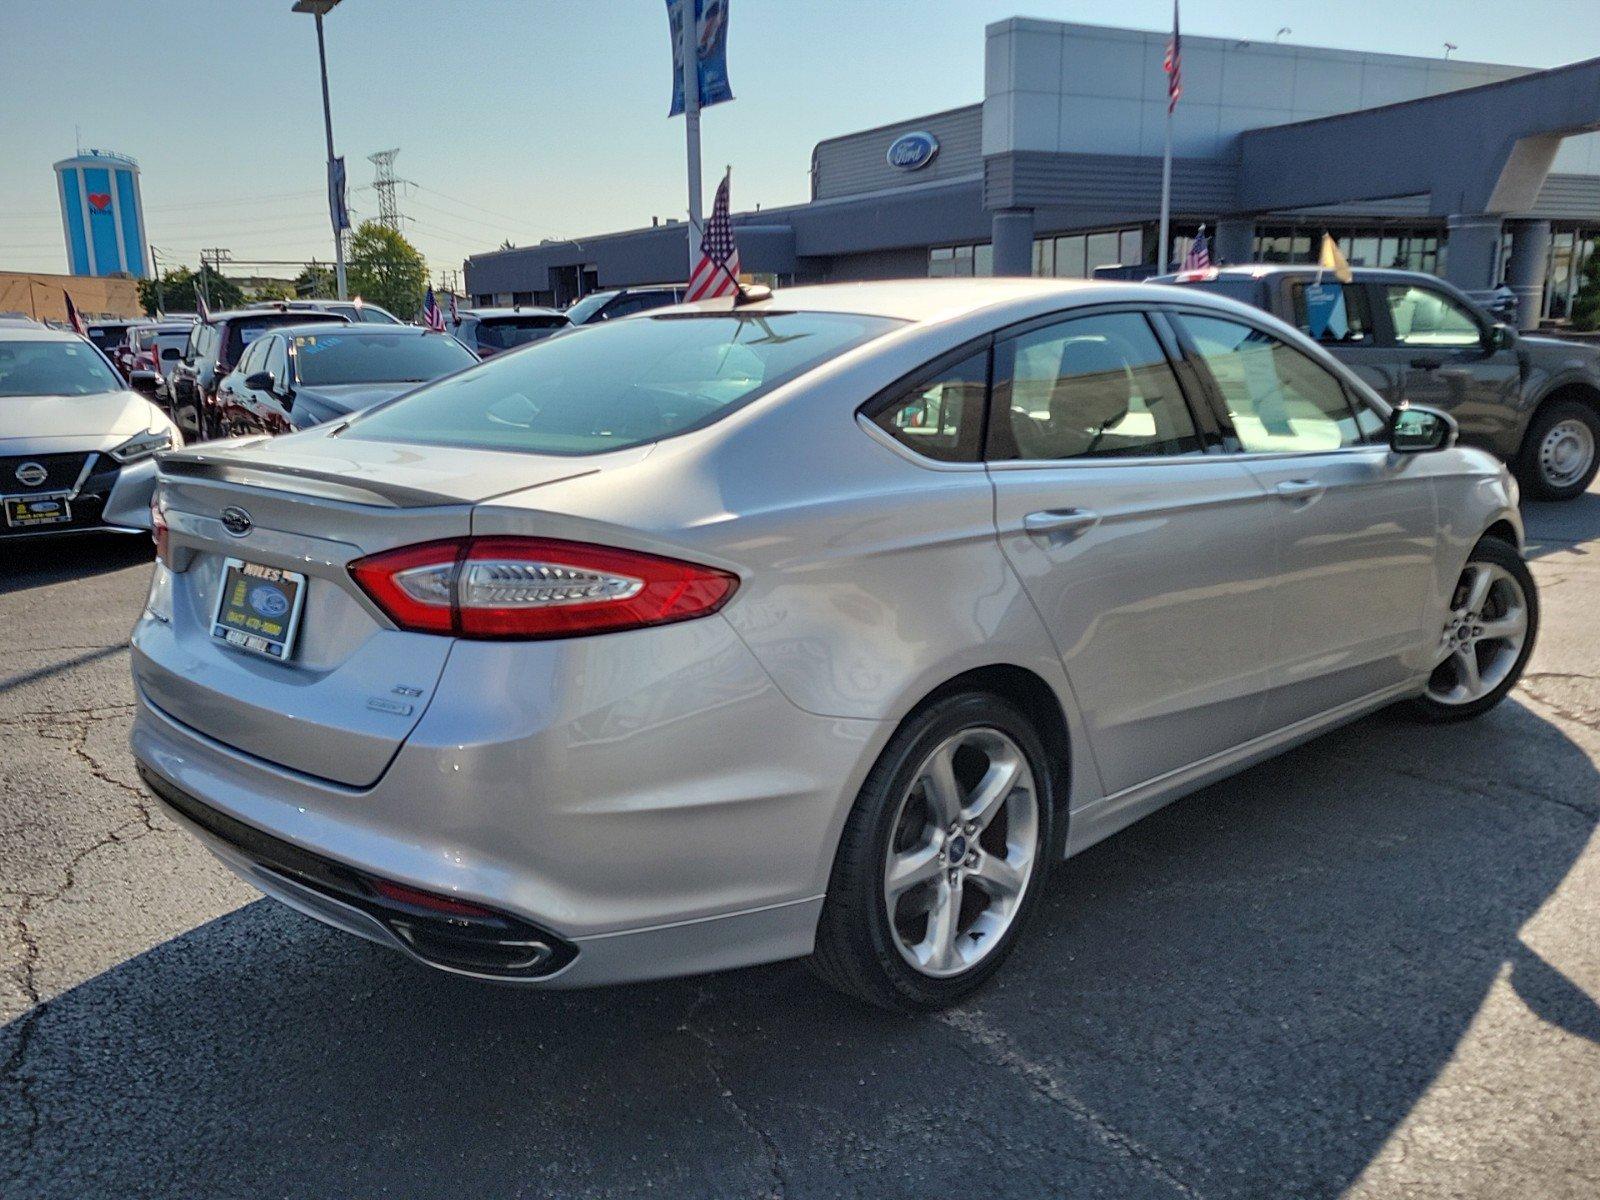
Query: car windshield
[
  {"x": 399, "y": 357},
  {"x": 506, "y": 333},
  {"x": 619, "y": 384},
  {"x": 587, "y": 307},
  {"x": 53, "y": 369}
]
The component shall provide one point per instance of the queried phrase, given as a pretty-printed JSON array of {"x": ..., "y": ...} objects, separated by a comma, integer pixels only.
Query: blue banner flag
[{"x": 711, "y": 40}]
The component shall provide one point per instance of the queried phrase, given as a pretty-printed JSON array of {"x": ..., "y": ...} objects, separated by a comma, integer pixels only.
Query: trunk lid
[{"x": 353, "y": 686}]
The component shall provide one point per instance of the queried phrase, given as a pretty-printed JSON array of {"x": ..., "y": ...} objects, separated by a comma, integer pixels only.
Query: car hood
[
  {"x": 351, "y": 397},
  {"x": 1551, "y": 352},
  {"x": 46, "y": 424}
]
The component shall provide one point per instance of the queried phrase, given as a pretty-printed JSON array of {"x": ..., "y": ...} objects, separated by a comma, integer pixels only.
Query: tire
[
  {"x": 1497, "y": 661},
  {"x": 866, "y": 942},
  {"x": 1559, "y": 455}
]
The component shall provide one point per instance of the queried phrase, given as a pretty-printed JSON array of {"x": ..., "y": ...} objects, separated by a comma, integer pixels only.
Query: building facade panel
[{"x": 859, "y": 162}]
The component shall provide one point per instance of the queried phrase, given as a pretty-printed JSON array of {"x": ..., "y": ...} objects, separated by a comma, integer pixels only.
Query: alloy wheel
[
  {"x": 1483, "y": 637},
  {"x": 965, "y": 838},
  {"x": 1566, "y": 452}
]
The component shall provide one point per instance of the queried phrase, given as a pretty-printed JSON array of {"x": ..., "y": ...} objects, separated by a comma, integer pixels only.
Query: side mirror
[
  {"x": 1415, "y": 430},
  {"x": 146, "y": 383},
  {"x": 1499, "y": 336},
  {"x": 261, "y": 381}
]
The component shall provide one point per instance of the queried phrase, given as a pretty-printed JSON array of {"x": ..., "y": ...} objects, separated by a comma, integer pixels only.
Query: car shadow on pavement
[
  {"x": 34, "y": 562},
  {"x": 1243, "y": 995},
  {"x": 1560, "y": 527}
]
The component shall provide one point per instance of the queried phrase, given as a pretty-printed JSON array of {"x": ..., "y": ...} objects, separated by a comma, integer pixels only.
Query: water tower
[{"x": 102, "y": 214}]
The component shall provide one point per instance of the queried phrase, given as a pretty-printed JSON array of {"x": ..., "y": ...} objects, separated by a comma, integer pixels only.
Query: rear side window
[
  {"x": 1097, "y": 386},
  {"x": 1335, "y": 314},
  {"x": 1277, "y": 398},
  {"x": 942, "y": 417},
  {"x": 619, "y": 383}
]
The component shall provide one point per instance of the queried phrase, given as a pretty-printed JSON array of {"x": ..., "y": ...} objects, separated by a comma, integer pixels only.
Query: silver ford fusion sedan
[
  {"x": 821, "y": 624},
  {"x": 76, "y": 446}
]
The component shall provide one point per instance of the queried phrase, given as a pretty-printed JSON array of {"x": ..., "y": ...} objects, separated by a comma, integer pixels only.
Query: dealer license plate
[{"x": 259, "y": 608}]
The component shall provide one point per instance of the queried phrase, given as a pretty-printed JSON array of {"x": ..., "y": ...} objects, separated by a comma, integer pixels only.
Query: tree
[
  {"x": 387, "y": 270},
  {"x": 316, "y": 282},
  {"x": 177, "y": 292},
  {"x": 1586, "y": 304}
]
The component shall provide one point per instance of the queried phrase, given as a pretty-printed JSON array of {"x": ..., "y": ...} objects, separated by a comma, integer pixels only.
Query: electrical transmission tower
[{"x": 387, "y": 186}]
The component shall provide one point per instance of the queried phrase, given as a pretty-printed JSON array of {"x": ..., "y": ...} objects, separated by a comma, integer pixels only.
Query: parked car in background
[
  {"x": 356, "y": 311},
  {"x": 108, "y": 335},
  {"x": 213, "y": 349},
  {"x": 76, "y": 446},
  {"x": 624, "y": 302},
  {"x": 1533, "y": 401},
  {"x": 297, "y": 376},
  {"x": 153, "y": 349},
  {"x": 489, "y": 331},
  {"x": 820, "y": 625}
]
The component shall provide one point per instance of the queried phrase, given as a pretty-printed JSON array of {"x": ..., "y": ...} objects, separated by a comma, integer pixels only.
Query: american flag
[
  {"x": 431, "y": 316},
  {"x": 201, "y": 312},
  {"x": 1173, "y": 63},
  {"x": 73, "y": 318},
  {"x": 718, "y": 267},
  {"x": 1198, "y": 257}
]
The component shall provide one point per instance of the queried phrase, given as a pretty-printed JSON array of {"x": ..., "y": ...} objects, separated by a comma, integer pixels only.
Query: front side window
[
  {"x": 1424, "y": 317},
  {"x": 1093, "y": 387},
  {"x": 1278, "y": 399},
  {"x": 942, "y": 417},
  {"x": 620, "y": 383},
  {"x": 1332, "y": 313},
  {"x": 50, "y": 368}
]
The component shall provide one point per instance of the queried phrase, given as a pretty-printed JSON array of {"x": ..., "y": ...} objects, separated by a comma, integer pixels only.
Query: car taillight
[
  {"x": 524, "y": 587},
  {"x": 158, "y": 528}
]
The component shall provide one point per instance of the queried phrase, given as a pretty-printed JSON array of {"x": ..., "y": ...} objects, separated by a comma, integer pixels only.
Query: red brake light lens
[
  {"x": 158, "y": 528},
  {"x": 526, "y": 588},
  {"x": 417, "y": 898}
]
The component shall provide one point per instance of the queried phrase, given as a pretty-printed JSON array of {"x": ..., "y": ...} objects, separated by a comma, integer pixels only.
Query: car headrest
[{"x": 1095, "y": 385}]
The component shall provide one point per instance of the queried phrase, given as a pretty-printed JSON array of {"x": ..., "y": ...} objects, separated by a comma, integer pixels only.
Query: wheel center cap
[{"x": 955, "y": 850}]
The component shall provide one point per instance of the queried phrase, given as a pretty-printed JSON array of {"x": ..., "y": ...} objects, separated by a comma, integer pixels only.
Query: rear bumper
[{"x": 659, "y": 823}]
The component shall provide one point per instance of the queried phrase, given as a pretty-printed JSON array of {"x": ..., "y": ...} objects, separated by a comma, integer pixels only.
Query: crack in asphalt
[
  {"x": 74, "y": 733},
  {"x": 985, "y": 1044},
  {"x": 713, "y": 1060},
  {"x": 1530, "y": 684},
  {"x": 1468, "y": 787}
]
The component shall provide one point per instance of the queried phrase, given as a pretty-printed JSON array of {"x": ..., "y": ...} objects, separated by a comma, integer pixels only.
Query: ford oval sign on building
[{"x": 913, "y": 151}]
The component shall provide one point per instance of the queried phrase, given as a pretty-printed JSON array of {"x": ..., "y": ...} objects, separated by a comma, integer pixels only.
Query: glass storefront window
[
  {"x": 983, "y": 259},
  {"x": 1102, "y": 250},
  {"x": 1363, "y": 252},
  {"x": 1130, "y": 249},
  {"x": 941, "y": 262},
  {"x": 1044, "y": 257},
  {"x": 1070, "y": 257}
]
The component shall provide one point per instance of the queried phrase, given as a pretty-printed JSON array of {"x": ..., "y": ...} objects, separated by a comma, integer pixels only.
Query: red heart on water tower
[{"x": 100, "y": 201}]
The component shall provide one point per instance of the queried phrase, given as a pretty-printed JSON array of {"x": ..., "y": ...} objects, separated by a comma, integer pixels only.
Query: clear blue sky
[{"x": 547, "y": 117}]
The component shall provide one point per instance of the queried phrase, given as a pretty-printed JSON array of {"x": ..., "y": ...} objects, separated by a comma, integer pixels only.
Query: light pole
[{"x": 319, "y": 8}]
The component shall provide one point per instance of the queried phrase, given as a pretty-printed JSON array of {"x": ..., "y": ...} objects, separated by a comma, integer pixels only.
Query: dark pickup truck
[{"x": 1534, "y": 401}]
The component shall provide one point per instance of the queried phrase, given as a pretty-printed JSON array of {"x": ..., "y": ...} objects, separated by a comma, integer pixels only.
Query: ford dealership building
[{"x": 1476, "y": 171}]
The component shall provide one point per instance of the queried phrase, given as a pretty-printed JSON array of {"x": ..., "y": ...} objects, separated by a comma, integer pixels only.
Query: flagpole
[
  {"x": 1165, "y": 252},
  {"x": 688, "y": 41}
]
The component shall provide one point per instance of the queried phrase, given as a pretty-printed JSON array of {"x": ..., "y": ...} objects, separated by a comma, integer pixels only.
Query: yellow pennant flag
[{"x": 1333, "y": 259}]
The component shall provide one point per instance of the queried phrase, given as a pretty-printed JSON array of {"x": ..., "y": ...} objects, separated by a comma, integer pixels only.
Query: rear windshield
[
  {"x": 620, "y": 384},
  {"x": 399, "y": 357},
  {"x": 505, "y": 333},
  {"x": 53, "y": 369}
]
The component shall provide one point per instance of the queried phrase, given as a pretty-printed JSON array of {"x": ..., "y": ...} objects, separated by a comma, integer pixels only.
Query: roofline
[
  {"x": 884, "y": 128},
  {"x": 1437, "y": 96}
]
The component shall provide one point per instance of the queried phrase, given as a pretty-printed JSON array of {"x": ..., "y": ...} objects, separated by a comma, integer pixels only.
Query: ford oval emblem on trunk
[
  {"x": 236, "y": 521},
  {"x": 913, "y": 151}
]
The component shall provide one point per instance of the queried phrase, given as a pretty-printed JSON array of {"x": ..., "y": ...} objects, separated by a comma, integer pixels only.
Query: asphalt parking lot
[{"x": 1369, "y": 968}]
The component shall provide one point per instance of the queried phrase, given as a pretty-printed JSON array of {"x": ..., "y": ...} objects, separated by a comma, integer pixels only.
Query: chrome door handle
[
  {"x": 1299, "y": 489},
  {"x": 1071, "y": 521}
]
